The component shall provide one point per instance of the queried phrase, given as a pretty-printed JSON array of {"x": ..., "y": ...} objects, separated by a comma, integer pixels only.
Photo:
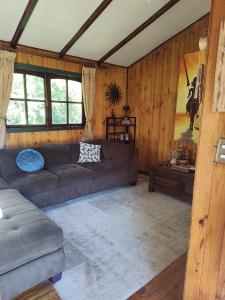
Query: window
[{"x": 42, "y": 101}]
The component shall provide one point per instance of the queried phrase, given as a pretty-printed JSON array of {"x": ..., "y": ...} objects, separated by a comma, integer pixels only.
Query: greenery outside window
[{"x": 41, "y": 101}]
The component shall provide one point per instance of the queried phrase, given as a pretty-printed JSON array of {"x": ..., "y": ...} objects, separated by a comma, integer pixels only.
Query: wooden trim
[
  {"x": 85, "y": 26},
  {"x": 54, "y": 55},
  {"x": 174, "y": 36},
  {"x": 23, "y": 22},
  {"x": 166, "y": 285},
  {"x": 206, "y": 256},
  {"x": 144, "y": 25}
]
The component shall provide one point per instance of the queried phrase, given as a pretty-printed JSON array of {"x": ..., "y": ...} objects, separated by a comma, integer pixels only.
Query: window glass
[
  {"x": 18, "y": 86},
  {"x": 75, "y": 113},
  {"x": 35, "y": 87},
  {"x": 36, "y": 113},
  {"x": 16, "y": 113},
  {"x": 74, "y": 91},
  {"x": 59, "y": 113},
  {"x": 58, "y": 89}
]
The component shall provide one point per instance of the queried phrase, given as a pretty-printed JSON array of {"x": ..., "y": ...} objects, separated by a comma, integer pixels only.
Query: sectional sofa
[{"x": 31, "y": 244}]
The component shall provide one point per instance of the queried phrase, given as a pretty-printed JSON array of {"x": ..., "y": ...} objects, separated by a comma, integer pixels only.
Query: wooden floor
[
  {"x": 43, "y": 291},
  {"x": 168, "y": 285}
]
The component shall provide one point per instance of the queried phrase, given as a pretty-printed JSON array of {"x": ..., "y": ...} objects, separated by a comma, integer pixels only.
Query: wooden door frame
[{"x": 205, "y": 271}]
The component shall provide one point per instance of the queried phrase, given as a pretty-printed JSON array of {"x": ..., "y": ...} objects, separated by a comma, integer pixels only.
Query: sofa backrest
[
  {"x": 120, "y": 153},
  {"x": 8, "y": 165},
  {"x": 56, "y": 154},
  {"x": 59, "y": 154}
]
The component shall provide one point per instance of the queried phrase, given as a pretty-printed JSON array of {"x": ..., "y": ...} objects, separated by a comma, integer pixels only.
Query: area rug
[{"x": 118, "y": 240}]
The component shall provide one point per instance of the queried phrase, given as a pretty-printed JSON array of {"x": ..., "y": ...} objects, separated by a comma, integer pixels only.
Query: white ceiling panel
[
  {"x": 11, "y": 12},
  {"x": 119, "y": 19},
  {"x": 54, "y": 22},
  {"x": 172, "y": 22}
]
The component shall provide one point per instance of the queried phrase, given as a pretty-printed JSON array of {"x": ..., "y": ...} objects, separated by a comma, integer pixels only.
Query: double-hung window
[{"x": 45, "y": 101}]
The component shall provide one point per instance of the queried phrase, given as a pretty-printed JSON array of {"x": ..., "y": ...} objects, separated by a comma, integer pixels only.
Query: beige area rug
[{"x": 118, "y": 240}]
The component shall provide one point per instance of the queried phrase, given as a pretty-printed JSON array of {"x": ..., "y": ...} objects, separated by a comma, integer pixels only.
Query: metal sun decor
[{"x": 113, "y": 94}]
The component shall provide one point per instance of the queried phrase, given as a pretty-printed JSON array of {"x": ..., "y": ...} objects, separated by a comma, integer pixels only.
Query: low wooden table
[{"x": 173, "y": 182}]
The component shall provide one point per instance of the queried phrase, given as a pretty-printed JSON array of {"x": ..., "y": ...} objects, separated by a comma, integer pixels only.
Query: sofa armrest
[
  {"x": 3, "y": 184},
  {"x": 133, "y": 168}
]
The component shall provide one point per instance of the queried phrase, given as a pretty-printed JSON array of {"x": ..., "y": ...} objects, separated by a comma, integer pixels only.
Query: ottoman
[{"x": 31, "y": 245}]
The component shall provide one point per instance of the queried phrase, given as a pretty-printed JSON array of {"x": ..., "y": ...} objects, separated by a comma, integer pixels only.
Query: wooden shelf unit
[{"x": 114, "y": 129}]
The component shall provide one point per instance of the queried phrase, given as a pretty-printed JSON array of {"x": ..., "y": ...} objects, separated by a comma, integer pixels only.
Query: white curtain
[
  {"x": 88, "y": 88},
  {"x": 7, "y": 60}
]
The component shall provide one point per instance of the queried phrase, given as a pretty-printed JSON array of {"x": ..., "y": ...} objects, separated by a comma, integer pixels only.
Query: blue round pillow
[{"x": 30, "y": 160}]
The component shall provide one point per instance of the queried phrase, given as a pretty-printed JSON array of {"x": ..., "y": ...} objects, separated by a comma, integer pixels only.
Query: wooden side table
[{"x": 173, "y": 182}]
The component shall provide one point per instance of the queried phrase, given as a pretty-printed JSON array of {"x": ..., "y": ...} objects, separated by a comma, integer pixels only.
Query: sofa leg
[
  {"x": 133, "y": 183},
  {"x": 55, "y": 278}
]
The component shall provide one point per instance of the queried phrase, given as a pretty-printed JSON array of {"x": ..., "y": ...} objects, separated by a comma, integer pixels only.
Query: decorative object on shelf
[
  {"x": 113, "y": 94},
  {"x": 218, "y": 97},
  {"x": 126, "y": 110},
  {"x": 189, "y": 98},
  {"x": 182, "y": 168},
  {"x": 182, "y": 158},
  {"x": 113, "y": 114},
  {"x": 126, "y": 122},
  {"x": 173, "y": 160},
  {"x": 117, "y": 131}
]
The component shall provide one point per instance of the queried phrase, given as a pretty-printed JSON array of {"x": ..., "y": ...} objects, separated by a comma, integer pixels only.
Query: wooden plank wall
[
  {"x": 205, "y": 276},
  {"x": 104, "y": 76},
  {"x": 152, "y": 93}
]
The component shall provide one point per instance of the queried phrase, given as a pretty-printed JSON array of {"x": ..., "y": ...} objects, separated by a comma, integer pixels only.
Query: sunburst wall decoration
[{"x": 113, "y": 94}]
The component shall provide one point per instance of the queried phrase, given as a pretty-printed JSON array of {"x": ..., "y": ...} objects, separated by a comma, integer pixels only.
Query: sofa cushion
[
  {"x": 101, "y": 168},
  {"x": 120, "y": 153},
  {"x": 26, "y": 232},
  {"x": 8, "y": 162},
  {"x": 56, "y": 154},
  {"x": 34, "y": 183},
  {"x": 3, "y": 184},
  {"x": 70, "y": 172}
]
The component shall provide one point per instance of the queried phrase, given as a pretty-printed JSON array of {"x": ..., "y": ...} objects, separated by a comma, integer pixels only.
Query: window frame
[{"x": 47, "y": 76}]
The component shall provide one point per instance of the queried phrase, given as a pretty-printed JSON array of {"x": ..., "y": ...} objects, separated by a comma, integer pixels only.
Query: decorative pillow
[
  {"x": 89, "y": 153},
  {"x": 30, "y": 160}
]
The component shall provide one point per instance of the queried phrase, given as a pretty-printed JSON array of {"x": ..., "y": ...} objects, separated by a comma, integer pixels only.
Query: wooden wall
[
  {"x": 104, "y": 75},
  {"x": 152, "y": 93},
  {"x": 205, "y": 276}
]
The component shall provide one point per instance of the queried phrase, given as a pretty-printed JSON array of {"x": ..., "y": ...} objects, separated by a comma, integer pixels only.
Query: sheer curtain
[
  {"x": 7, "y": 60},
  {"x": 88, "y": 88}
]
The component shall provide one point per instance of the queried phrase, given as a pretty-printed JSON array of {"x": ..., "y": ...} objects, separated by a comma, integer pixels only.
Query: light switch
[{"x": 220, "y": 153}]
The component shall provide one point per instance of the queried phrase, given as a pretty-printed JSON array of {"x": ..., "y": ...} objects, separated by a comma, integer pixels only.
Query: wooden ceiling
[{"x": 114, "y": 31}]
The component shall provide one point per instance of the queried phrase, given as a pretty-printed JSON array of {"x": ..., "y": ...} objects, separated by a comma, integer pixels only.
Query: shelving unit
[{"x": 119, "y": 131}]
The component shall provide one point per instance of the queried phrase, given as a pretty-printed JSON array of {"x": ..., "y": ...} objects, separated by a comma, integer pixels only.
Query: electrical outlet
[{"x": 220, "y": 153}]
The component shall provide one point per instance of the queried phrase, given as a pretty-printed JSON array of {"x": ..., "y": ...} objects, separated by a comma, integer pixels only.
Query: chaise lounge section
[{"x": 31, "y": 245}]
